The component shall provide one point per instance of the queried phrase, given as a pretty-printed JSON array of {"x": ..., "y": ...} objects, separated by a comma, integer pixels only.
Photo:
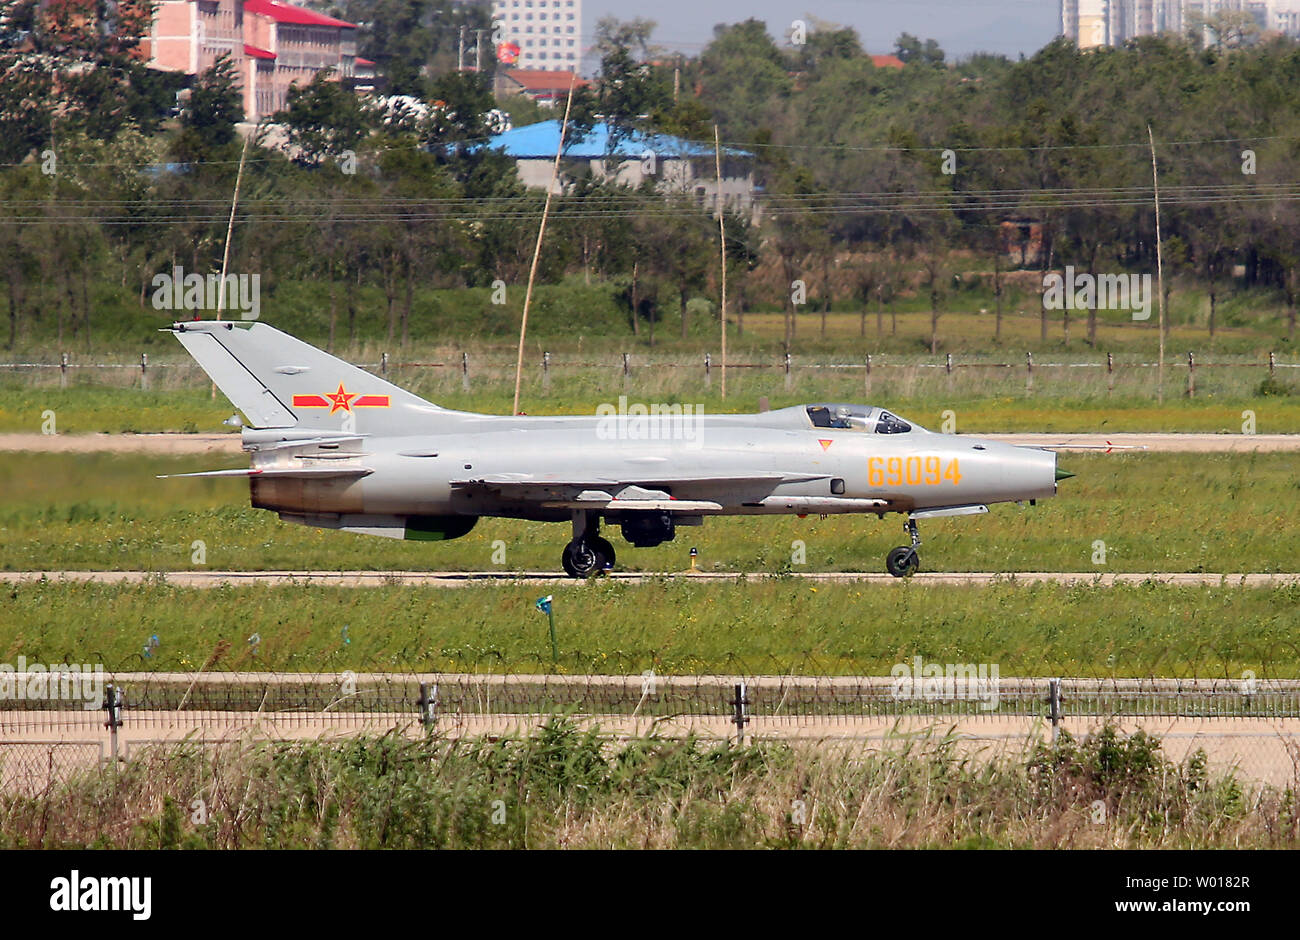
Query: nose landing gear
[{"x": 903, "y": 562}]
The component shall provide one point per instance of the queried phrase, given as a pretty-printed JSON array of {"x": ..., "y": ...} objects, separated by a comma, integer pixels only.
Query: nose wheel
[{"x": 903, "y": 562}]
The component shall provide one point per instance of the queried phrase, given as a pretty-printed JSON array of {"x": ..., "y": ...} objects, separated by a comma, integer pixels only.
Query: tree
[
  {"x": 629, "y": 90},
  {"x": 911, "y": 50},
  {"x": 324, "y": 120},
  {"x": 209, "y": 119}
]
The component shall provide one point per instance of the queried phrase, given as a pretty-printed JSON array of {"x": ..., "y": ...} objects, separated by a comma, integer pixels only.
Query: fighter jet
[{"x": 337, "y": 447}]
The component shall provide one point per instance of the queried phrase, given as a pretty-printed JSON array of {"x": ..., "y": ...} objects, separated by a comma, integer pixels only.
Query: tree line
[{"x": 904, "y": 176}]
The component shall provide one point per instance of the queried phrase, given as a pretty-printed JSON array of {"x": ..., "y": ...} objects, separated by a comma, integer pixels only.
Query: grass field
[
  {"x": 563, "y": 788},
  {"x": 983, "y": 406},
  {"x": 576, "y": 314},
  {"x": 763, "y": 626},
  {"x": 1153, "y": 512}
]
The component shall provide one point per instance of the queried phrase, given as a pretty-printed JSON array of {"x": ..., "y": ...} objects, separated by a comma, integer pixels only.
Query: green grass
[
  {"x": 567, "y": 788},
  {"x": 572, "y": 314},
  {"x": 1154, "y": 512},
  {"x": 88, "y": 409},
  {"x": 762, "y": 626}
]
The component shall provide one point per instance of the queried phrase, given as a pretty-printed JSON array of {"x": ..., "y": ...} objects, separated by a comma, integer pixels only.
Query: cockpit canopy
[{"x": 858, "y": 418}]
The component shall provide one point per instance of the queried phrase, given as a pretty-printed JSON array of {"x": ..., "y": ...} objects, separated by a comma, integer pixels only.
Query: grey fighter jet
[{"x": 336, "y": 447}]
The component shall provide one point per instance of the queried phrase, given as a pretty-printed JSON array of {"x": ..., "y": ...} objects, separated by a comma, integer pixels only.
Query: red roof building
[
  {"x": 294, "y": 16},
  {"x": 273, "y": 45},
  {"x": 545, "y": 86}
]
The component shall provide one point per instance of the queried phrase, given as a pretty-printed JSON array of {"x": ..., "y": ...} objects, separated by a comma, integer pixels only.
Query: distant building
[
  {"x": 1021, "y": 241},
  {"x": 887, "y": 62},
  {"x": 548, "y": 33},
  {"x": 675, "y": 165},
  {"x": 272, "y": 45},
  {"x": 1094, "y": 23},
  {"x": 189, "y": 36},
  {"x": 303, "y": 42},
  {"x": 543, "y": 86}
]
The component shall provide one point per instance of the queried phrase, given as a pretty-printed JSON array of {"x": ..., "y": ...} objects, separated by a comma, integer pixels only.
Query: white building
[
  {"x": 547, "y": 32},
  {"x": 1093, "y": 23}
]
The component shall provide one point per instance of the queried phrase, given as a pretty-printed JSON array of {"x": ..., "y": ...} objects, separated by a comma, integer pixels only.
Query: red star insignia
[{"x": 341, "y": 400}]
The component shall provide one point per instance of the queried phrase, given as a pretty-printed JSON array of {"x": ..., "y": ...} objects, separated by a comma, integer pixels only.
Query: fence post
[
  {"x": 63, "y": 370},
  {"x": 868, "y": 381},
  {"x": 740, "y": 715},
  {"x": 464, "y": 371},
  {"x": 383, "y": 363},
  {"x": 948, "y": 363},
  {"x": 787, "y": 371},
  {"x": 144, "y": 371},
  {"x": 428, "y": 703},
  {"x": 1110, "y": 373},
  {"x": 708, "y": 370},
  {"x": 1054, "y": 706},
  {"x": 113, "y": 706},
  {"x": 1191, "y": 375},
  {"x": 1029, "y": 372},
  {"x": 546, "y": 370},
  {"x": 1272, "y": 363},
  {"x": 627, "y": 370}
]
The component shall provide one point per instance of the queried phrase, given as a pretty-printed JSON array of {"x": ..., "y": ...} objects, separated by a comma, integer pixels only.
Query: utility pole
[
  {"x": 460, "y": 51},
  {"x": 1160, "y": 271}
]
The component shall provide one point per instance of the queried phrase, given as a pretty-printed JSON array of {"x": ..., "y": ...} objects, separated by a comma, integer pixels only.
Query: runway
[
  {"x": 453, "y": 579},
  {"x": 180, "y": 445}
]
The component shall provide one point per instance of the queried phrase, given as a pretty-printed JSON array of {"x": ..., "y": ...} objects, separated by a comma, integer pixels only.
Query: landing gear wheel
[
  {"x": 580, "y": 560},
  {"x": 606, "y": 552},
  {"x": 903, "y": 561},
  {"x": 588, "y": 557}
]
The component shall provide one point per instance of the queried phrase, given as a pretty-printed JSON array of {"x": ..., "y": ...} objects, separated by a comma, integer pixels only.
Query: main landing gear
[
  {"x": 588, "y": 553},
  {"x": 903, "y": 561}
]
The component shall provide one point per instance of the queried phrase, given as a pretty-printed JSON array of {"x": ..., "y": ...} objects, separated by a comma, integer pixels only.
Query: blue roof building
[{"x": 674, "y": 164}]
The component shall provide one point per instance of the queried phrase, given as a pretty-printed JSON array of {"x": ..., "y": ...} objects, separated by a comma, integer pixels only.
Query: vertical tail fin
[{"x": 281, "y": 382}]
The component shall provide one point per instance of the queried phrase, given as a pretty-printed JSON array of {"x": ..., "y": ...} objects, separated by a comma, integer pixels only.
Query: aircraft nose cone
[{"x": 1063, "y": 474}]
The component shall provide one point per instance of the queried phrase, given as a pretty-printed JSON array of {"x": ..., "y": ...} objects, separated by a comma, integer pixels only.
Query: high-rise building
[
  {"x": 1092, "y": 23},
  {"x": 548, "y": 33}
]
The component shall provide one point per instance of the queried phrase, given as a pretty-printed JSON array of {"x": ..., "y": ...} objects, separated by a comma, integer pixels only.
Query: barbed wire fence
[
  {"x": 1249, "y": 726},
  {"x": 1108, "y": 373}
]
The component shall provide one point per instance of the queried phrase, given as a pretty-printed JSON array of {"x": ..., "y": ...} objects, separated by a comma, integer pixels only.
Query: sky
[{"x": 1009, "y": 27}]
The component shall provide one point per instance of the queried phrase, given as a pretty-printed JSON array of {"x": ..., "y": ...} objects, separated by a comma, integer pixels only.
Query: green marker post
[{"x": 544, "y": 604}]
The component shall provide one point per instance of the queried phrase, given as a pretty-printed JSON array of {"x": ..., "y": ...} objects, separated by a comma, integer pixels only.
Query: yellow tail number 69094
[{"x": 912, "y": 471}]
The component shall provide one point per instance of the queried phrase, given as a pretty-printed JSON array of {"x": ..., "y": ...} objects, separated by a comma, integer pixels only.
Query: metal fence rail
[
  {"x": 350, "y": 698},
  {"x": 1190, "y": 365}
]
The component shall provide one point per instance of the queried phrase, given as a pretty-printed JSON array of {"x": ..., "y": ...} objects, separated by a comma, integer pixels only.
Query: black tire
[
  {"x": 582, "y": 559},
  {"x": 605, "y": 550},
  {"x": 902, "y": 562}
]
